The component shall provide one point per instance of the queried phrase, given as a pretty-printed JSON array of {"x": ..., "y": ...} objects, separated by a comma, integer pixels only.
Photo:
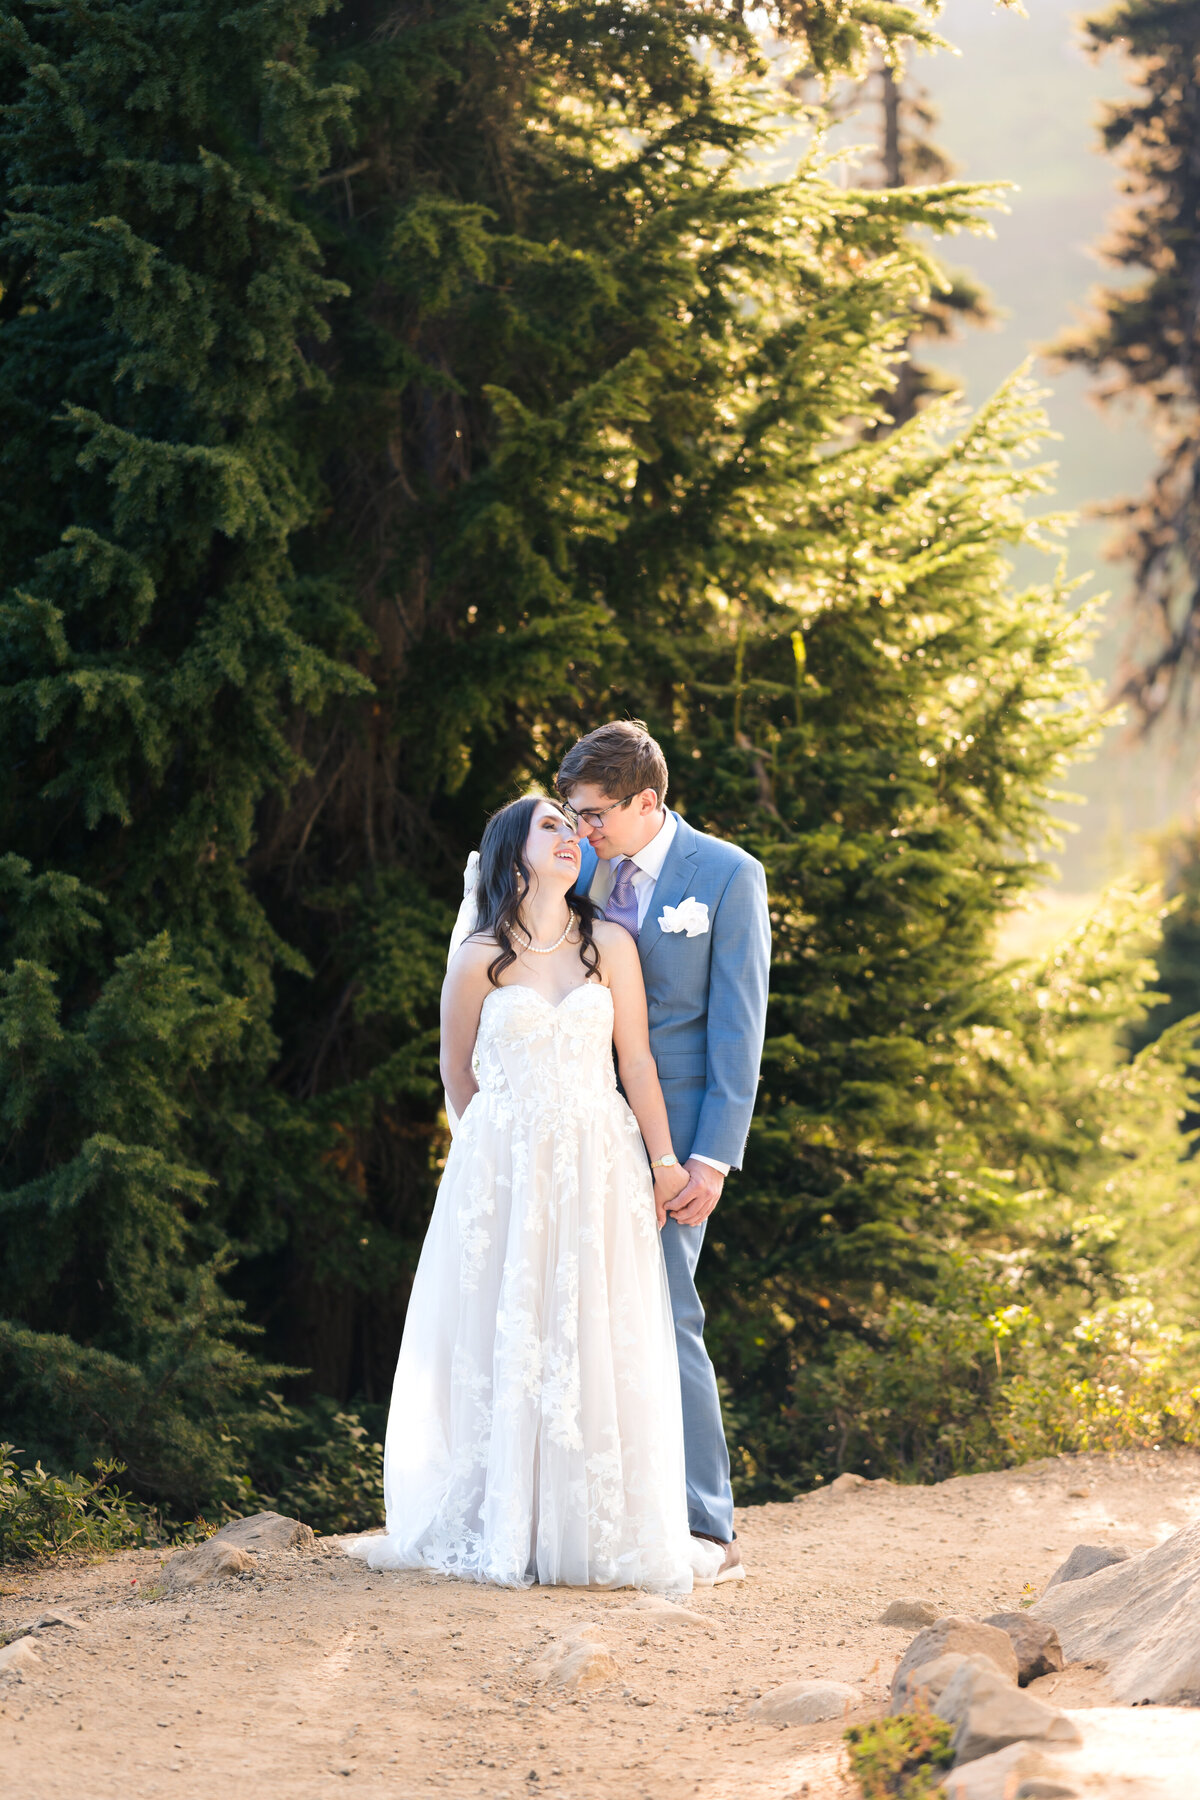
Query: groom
[{"x": 697, "y": 907}]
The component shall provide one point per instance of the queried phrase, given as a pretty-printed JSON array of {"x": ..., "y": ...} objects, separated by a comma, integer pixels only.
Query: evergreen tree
[
  {"x": 388, "y": 396},
  {"x": 1175, "y": 864},
  {"x": 1145, "y": 338},
  {"x": 883, "y": 725},
  {"x": 910, "y": 157},
  {"x": 160, "y": 301}
]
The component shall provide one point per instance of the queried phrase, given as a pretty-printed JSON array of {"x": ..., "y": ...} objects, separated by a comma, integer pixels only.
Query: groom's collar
[
  {"x": 651, "y": 857},
  {"x": 677, "y": 850}
]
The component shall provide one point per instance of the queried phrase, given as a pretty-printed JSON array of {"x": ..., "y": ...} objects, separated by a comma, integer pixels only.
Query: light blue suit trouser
[{"x": 710, "y": 1498}]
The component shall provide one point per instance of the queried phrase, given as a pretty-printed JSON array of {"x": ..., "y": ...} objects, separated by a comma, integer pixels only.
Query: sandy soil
[{"x": 317, "y": 1676}]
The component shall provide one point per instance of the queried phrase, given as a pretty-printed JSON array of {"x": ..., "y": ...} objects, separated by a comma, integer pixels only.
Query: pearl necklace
[{"x": 546, "y": 949}]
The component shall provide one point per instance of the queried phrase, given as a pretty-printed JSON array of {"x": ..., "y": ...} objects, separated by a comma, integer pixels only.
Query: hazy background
[{"x": 1021, "y": 103}]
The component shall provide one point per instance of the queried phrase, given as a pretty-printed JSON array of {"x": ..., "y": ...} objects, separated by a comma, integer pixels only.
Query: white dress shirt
[{"x": 648, "y": 865}]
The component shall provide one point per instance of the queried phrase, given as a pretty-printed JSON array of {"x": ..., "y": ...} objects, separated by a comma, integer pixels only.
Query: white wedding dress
[{"x": 535, "y": 1430}]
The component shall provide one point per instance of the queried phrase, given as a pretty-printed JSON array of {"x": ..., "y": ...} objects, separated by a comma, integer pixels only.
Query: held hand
[
  {"x": 694, "y": 1202},
  {"x": 668, "y": 1185}
]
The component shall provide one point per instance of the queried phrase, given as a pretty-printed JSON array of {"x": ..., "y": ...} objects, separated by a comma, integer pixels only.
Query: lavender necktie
[{"x": 622, "y": 906}]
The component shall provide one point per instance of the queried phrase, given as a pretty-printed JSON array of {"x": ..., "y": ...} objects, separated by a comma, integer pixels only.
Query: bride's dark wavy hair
[{"x": 504, "y": 877}]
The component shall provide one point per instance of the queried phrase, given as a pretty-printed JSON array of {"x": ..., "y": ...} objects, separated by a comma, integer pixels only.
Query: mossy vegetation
[{"x": 903, "y": 1757}]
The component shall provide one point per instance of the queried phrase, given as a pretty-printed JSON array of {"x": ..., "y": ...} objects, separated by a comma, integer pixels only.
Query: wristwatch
[{"x": 669, "y": 1161}]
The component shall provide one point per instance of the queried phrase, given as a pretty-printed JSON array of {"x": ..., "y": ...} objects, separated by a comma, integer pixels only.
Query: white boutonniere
[{"x": 691, "y": 915}]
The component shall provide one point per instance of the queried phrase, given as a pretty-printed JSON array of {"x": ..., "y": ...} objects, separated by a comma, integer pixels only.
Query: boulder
[
  {"x": 667, "y": 1613},
  {"x": 913, "y": 1613},
  {"x": 47, "y": 1621},
  {"x": 923, "y": 1685},
  {"x": 807, "y": 1702},
  {"x": 966, "y": 1637},
  {"x": 847, "y": 1484},
  {"x": 20, "y": 1655},
  {"x": 232, "y": 1550},
  {"x": 989, "y": 1713},
  {"x": 1141, "y": 1616},
  {"x": 1036, "y": 1644},
  {"x": 581, "y": 1659},
  {"x": 1085, "y": 1560},
  {"x": 1007, "y": 1773},
  {"x": 212, "y": 1561},
  {"x": 1135, "y": 1753},
  {"x": 57, "y": 1616},
  {"x": 266, "y": 1531}
]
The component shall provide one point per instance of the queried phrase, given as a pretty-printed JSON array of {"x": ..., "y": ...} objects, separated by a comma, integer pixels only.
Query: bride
[{"x": 535, "y": 1430}]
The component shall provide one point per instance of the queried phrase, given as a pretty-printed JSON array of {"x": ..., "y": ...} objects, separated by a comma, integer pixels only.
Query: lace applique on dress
[{"x": 535, "y": 1430}]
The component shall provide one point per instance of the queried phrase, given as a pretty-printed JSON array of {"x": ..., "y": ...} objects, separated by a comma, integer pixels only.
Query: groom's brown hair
[{"x": 619, "y": 759}]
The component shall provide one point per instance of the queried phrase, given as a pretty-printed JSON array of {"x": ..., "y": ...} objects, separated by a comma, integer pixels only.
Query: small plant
[
  {"x": 43, "y": 1515},
  {"x": 328, "y": 1469},
  {"x": 900, "y": 1758},
  {"x": 183, "y": 1532}
]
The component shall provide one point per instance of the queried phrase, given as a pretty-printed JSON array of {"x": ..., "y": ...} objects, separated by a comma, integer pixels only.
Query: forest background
[{"x": 391, "y": 392}]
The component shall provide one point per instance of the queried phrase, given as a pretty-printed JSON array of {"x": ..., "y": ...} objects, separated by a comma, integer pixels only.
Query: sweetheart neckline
[{"x": 522, "y": 987}]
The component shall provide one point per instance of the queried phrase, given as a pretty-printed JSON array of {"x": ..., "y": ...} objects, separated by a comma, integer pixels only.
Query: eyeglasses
[{"x": 594, "y": 815}]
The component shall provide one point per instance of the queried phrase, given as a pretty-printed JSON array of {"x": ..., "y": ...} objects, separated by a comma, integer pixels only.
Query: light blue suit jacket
[{"x": 707, "y": 995}]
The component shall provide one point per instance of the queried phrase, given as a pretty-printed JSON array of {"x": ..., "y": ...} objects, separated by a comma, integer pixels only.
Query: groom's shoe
[{"x": 733, "y": 1568}]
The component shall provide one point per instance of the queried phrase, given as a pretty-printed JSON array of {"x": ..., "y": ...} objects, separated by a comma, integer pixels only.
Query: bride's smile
[{"x": 552, "y": 847}]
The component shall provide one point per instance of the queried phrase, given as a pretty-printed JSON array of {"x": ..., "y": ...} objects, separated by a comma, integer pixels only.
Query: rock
[
  {"x": 587, "y": 1666},
  {"x": 807, "y": 1702},
  {"x": 923, "y": 1685},
  {"x": 213, "y": 1561},
  {"x": 231, "y": 1551},
  {"x": 1007, "y": 1773},
  {"x": 18, "y": 1656},
  {"x": 1135, "y": 1753},
  {"x": 666, "y": 1612},
  {"x": 266, "y": 1531},
  {"x": 579, "y": 1660},
  {"x": 47, "y": 1620},
  {"x": 846, "y": 1484},
  {"x": 1085, "y": 1560},
  {"x": 1036, "y": 1644},
  {"x": 1140, "y": 1616},
  {"x": 912, "y": 1613},
  {"x": 989, "y": 1714},
  {"x": 967, "y": 1637}
]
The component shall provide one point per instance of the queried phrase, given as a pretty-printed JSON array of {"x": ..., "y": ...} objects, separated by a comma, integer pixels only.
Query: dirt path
[{"x": 318, "y": 1676}]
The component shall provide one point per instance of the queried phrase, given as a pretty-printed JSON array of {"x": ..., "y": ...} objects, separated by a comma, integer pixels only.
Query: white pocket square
[{"x": 690, "y": 915}]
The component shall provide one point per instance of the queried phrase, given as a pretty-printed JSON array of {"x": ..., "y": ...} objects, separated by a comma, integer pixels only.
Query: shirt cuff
[{"x": 720, "y": 1167}]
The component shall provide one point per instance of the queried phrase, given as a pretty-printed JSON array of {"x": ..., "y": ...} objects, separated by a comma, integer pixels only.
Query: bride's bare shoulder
[
  {"x": 474, "y": 955},
  {"x": 614, "y": 942}
]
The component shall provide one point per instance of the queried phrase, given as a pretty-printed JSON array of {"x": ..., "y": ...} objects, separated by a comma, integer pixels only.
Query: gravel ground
[{"x": 317, "y": 1676}]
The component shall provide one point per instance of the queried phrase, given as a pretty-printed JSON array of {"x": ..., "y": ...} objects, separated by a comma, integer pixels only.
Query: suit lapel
[{"x": 678, "y": 873}]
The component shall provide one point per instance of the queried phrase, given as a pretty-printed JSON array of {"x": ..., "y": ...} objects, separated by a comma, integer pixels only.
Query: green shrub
[
  {"x": 43, "y": 1515},
  {"x": 1122, "y": 1380},
  {"x": 900, "y": 1758},
  {"x": 1065, "y": 1201},
  {"x": 326, "y": 1467},
  {"x": 977, "y": 1382}
]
